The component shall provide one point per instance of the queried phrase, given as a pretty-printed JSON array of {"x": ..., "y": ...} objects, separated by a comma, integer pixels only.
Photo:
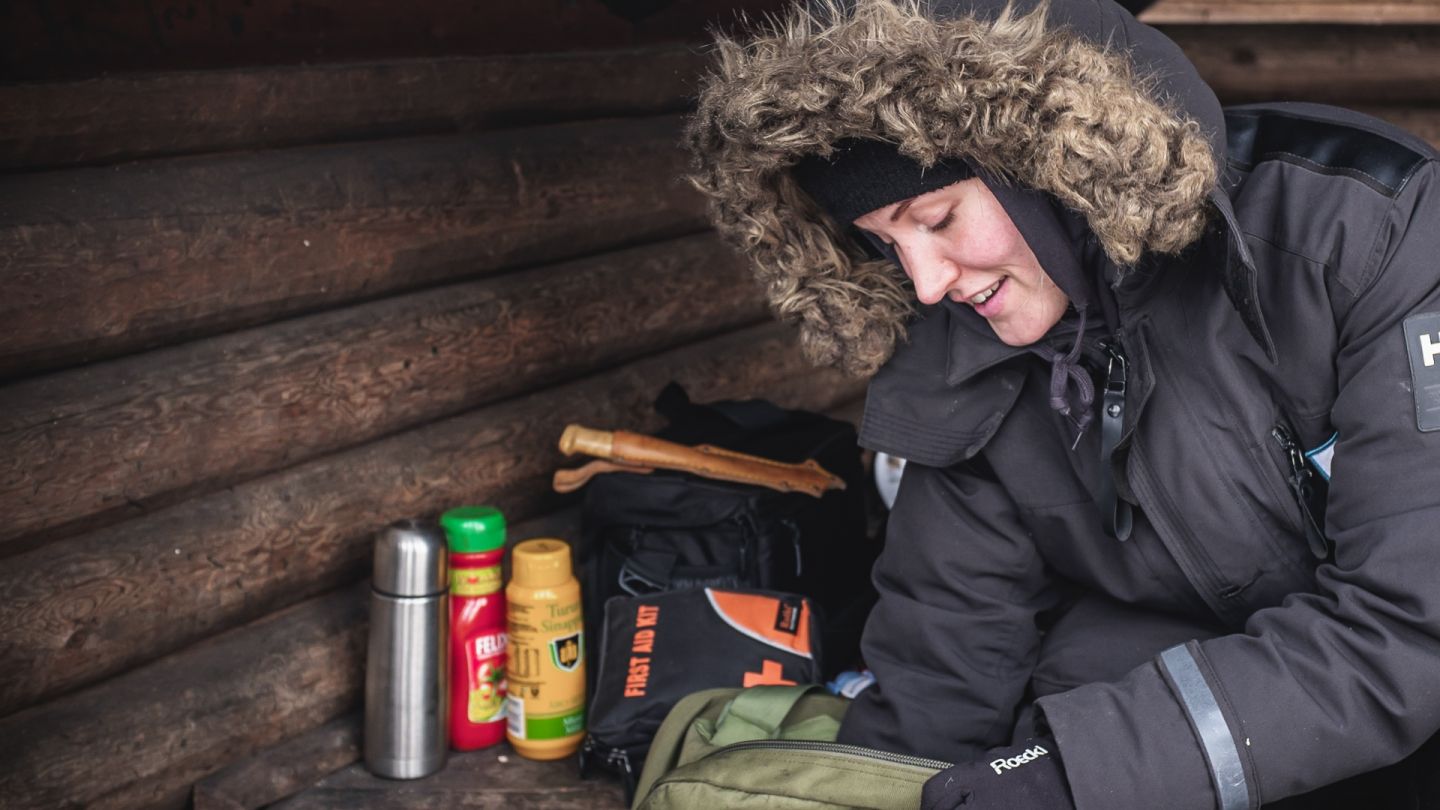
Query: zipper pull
[
  {"x": 1118, "y": 520},
  {"x": 1301, "y": 484},
  {"x": 795, "y": 541},
  {"x": 1115, "y": 374}
]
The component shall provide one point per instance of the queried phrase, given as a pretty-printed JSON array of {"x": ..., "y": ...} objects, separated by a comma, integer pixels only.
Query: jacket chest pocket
[
  {"x": 1270, "y": 539},
  {"x": 1225, "y": 505}
]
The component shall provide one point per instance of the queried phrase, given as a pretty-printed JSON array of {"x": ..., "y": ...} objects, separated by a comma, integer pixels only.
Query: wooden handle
[
  {"x": 636, "y": 449},
  {"x": 591, "y": 442}
]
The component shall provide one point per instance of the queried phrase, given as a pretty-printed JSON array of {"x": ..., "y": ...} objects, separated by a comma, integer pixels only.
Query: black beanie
[{"x": 861, "y": 176}]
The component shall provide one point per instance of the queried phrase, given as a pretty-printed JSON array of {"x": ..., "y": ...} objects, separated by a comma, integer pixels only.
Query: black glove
[{"x": 1021, "y": 777}]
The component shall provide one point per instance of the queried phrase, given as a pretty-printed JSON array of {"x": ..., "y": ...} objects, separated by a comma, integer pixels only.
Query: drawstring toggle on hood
[{"x": 1065, "y": 369}]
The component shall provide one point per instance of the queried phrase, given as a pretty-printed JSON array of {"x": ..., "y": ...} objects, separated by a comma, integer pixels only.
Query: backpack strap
[{"x": 759, "y": 712}]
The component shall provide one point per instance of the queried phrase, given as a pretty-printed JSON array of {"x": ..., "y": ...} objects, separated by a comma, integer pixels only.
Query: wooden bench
[{"x": 317, "y": 770}]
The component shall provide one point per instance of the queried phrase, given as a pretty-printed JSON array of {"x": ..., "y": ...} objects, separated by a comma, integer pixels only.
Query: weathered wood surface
[
  {"x": 84, "y": 608},
  {"x": 1363, "y": 12},
  {"x": 141, "y": 739},
  {"x": 50, "y": 38},
  {"x": 283, "y": 770},
  {"x": 563, "y": 524},
  {"x": 125, "y": 117},
  {"x": 114, "y": 439},
  {"x": 1333, "y": 64},
  {"x": 493, "y": 778},
  {"x": 107, "y": 261},
  {"x": 1423, "y": 122}
]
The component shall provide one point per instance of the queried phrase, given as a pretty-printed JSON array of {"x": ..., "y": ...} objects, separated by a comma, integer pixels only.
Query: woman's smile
[{"x": 986, "y": 294}]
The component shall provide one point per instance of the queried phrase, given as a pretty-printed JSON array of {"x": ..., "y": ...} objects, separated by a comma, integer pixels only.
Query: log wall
[{"x": 257, "y": 311}]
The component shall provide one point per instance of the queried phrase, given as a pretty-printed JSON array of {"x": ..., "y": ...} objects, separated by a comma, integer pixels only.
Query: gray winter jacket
[
  {"x": 1323, "y": 663},
  {"x": 1282, "y": 299}
]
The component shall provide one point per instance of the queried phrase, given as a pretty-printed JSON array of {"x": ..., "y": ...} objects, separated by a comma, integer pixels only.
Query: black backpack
[{"x": 666, "y": 531}]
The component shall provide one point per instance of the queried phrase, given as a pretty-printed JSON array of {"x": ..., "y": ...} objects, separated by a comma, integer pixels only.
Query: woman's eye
[{"x": 943, "y": 223}]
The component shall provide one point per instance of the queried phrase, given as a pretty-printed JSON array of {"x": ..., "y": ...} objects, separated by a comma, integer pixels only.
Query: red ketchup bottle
[{"x": 476, "y": 535}]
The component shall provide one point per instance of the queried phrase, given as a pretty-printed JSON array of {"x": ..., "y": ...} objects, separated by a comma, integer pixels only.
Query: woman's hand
[{"x": 1021, "y": 777}]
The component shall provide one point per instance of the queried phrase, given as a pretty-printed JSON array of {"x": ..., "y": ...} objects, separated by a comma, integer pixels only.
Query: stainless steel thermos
[{"x": 406, "y": 689}]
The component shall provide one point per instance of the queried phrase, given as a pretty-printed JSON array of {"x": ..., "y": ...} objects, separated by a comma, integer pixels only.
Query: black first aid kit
[
  {"x": 668, "y": 530},
  {"x": 662, "y": 647}
]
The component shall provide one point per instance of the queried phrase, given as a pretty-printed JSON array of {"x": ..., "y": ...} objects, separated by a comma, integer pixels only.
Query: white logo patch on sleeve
[{"x": 1422, "y": 342}]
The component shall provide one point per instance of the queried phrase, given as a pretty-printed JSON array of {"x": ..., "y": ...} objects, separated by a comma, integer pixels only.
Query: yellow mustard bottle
[{"x": 546, "y": 703}]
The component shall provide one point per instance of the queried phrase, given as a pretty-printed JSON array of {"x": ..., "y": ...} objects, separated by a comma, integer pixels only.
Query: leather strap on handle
[
  {"x": 571, "y": 480},
  {"x": 636, "y": 452}
]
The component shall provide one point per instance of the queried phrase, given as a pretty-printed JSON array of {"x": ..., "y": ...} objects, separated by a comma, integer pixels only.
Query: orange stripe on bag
[{"x": 762, "y": 617}]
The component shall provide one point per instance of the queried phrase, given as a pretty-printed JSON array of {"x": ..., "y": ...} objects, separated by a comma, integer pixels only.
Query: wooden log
[
  {"x": 1423, "y": 122},
  {"x": 141, "y": 739},
  {"x": 494, "y": 778},
  {"x": 282, "y": 770},
  {"x": 562, "y": 524},
  {"x": 104, "y": 262},
  {"x": 1392, "y": 12},
  {"x": 127, "y": 117},
  {"x": 60, "y": 38},
  {"x": 102, "y": 442},
  {"x": 84, "y": 608},
  {"x": 1342, "y": 64}
]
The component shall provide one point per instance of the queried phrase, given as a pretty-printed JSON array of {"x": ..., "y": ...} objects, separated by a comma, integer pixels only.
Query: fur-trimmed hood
[{"x": 1073, "y": 98}]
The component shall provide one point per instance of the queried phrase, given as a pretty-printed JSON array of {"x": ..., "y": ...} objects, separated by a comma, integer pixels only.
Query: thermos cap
[
  {"x": 472, "y": 529},
  {"x": 542, "y": 563},
  {"x": 409, "y": 560}
]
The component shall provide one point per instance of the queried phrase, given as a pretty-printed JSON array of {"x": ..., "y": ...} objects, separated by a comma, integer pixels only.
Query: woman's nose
[{"x": 931, "y": 276}]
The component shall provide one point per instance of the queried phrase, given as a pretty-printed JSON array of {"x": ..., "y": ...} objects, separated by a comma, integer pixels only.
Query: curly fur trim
[{"x": 1040, "y": 106}]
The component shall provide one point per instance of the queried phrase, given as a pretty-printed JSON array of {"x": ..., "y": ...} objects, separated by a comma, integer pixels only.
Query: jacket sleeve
[
  {"x": 953, "y": 639},
  {"x": 1329, "y": 684}
]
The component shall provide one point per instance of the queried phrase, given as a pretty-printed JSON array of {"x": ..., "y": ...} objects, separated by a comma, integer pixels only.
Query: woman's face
[{"x": 958, "y": 241}]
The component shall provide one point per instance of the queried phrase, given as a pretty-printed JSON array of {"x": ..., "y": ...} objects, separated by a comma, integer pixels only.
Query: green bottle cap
[{"x": 472, "y": 529}]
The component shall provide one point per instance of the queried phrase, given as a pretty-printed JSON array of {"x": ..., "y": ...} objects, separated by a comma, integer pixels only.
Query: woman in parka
[{"x": 1167, "y": 378}]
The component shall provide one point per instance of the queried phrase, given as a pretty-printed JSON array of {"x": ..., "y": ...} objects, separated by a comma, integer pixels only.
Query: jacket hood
[{"x": 1074, "y": 99}]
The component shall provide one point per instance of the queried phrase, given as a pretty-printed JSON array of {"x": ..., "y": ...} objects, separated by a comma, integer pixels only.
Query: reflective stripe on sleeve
[{"x": 1215, "y": 737}]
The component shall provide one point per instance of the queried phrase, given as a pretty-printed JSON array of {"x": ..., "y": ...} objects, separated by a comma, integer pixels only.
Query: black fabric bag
[
  {"x": 659, "y": 648},
  {"x": 644, "y": 534}
]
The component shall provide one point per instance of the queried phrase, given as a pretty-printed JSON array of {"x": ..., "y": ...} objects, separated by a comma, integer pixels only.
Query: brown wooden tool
[{"x": 622, "y": 451}]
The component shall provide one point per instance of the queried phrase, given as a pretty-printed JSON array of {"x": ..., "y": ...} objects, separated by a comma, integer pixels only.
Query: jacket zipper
[
  {"x": 841, "y": 748},
  {"x": 1186, "y": 550},
  {"x": 1175, "y": 535},
  {"x": 1301, "y": 481},
  {"x": 1118, "y": 519}
]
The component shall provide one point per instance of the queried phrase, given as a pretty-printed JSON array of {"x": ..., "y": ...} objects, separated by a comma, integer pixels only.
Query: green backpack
[{"x": 771, "y": 747}]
